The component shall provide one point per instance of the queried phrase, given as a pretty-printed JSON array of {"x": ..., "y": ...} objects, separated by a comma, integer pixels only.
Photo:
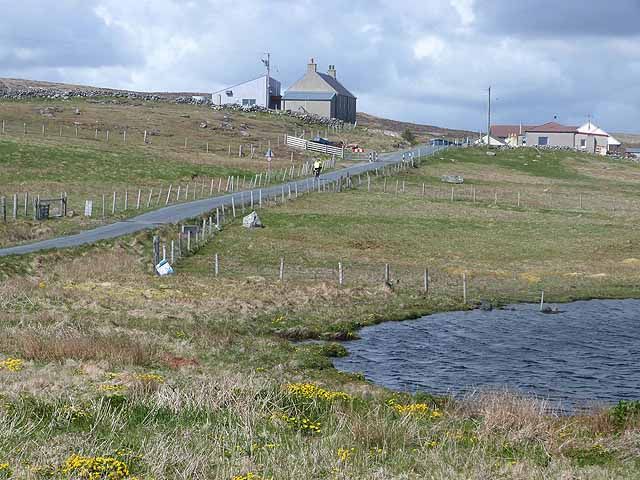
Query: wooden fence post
[
  {"x": 233, "y": 206},
  {"x": 138, "y": 200},
  {"x": 216, "y": 265},
  {"x": 113, "y": 204},
  {"x": 281, "y": 269},
  {"x": 464, "y": 288},
  {"x": 340, "y": 274},
  {"x": 156, "y": 252},
  {"x": 425, "y": 281},
  {"x": 387, "y": 273},
  {"x": 172, "y": 252}
]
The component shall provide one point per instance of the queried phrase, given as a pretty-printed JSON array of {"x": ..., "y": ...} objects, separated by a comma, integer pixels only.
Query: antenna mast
[{"x": 489, "y": 122}]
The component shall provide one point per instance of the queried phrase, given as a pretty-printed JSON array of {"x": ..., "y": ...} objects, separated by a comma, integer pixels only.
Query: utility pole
[
  {"x": 489, "y": 121},
  {"x": 267, "y": 63}
]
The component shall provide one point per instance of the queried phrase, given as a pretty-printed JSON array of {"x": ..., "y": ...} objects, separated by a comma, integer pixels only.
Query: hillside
[
  {"x": 377, "y": 125},
  {"x": 395, "y": 128}
]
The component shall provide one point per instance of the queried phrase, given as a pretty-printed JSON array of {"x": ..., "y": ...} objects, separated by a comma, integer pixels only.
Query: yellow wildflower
[
  {"x": 11, "y": 364},
  {"x": 421, "y": 409},
  {"x": 312, "y": 392},
  {"x": 95, "y": 468},
  {"x": 150, "y": 377},
  {"x": 344, "y": 454}
]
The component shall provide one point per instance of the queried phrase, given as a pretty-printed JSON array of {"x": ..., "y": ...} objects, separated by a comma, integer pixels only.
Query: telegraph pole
[
  {"x": 267, "y": 63},
  {"x": 489, "y": 121}
]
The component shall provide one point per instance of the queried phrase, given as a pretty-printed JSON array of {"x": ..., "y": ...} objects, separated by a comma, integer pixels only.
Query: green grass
[
  {"x": 226, "y": 348},
  {"x": 24, "y": 163}
]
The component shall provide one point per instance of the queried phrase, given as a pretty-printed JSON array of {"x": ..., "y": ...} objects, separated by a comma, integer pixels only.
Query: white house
[
  {"x": 589, "y": 128},
  {"x": 494, "y": 142},
  {"x": 254, "y": 92}
]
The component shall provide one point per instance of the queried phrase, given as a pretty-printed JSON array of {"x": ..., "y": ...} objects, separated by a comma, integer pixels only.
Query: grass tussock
[{"x": 57, "y": 346}]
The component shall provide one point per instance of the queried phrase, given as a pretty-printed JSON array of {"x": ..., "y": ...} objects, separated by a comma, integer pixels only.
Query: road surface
[{"x": 183, "y": 211}]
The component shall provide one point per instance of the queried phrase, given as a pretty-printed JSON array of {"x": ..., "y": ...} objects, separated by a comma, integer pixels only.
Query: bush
[{"x": 408, "y": 136}]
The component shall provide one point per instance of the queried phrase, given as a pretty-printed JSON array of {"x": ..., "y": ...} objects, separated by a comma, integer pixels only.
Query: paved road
[{"x": 183, "y": 211}]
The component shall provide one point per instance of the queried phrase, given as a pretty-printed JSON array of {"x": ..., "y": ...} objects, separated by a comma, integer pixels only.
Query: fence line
[{"x": 144, "y": 136}]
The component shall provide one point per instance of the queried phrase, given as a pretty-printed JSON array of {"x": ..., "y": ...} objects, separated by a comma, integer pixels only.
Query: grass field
[
  {"x": 198, "y": 377},
  {"x": 178, "y": 152}
]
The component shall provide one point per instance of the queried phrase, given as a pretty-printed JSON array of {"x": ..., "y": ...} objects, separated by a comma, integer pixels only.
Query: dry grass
[{"x": 42, "y": 345}]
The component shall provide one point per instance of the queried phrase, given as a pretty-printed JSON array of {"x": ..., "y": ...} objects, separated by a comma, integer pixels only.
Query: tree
[{"x": 408, "y": 136}]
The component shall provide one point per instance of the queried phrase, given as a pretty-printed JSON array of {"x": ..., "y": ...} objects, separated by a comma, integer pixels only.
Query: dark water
[{"x": 587, "y": 354}]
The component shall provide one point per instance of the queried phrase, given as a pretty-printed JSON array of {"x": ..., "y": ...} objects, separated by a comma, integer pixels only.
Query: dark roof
[
  {"x": 309, "y": 95},
  {"x": 336, "y": 85},
  {"x": 503, "y": 131},
  {"x": 553, "y": 127}
]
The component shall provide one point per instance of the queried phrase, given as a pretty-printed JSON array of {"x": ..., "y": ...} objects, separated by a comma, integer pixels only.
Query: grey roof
[
  {"x": 308, "y": 95},
  {"x": 336, "y": 85}
]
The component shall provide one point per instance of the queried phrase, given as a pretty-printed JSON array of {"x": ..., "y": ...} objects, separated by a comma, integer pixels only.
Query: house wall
[
  {"x": 593, "y": 143},
  {"x": 345, "y": 108},
  {"x": 255, "y": 90},
  {"x": 555, "y": 139},
  {"x": 311, "y": 82},
  {"x": 318, "y": 107}
]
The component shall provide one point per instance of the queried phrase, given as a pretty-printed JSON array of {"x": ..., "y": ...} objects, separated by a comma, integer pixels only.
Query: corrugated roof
[
  {"x": 553, "y": 127},
  {"x": 336, "y": 85},
  {"x": 503, "y": 131},
  {"x": 308, "y": 95}
]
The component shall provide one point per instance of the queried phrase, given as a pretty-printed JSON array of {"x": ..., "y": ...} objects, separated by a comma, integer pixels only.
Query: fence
[
  {"x": 114, "y": 134},
  {"x": 23, "y": 204},
  {"x": 302, "y": 144}
]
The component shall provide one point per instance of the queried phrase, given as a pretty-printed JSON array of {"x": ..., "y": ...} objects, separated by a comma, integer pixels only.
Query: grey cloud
[
  {"x": 559, "y": 18},
  {"x": 65, "y": 33}
]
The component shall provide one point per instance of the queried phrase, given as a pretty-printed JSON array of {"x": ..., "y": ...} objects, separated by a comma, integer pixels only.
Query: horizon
[{"x": 404, "y": 63}]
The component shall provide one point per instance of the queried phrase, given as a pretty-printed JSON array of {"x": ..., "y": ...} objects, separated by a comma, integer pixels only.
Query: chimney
[
  {"x": 312, "y": 66},
  {"x": 332, "y": 71}
]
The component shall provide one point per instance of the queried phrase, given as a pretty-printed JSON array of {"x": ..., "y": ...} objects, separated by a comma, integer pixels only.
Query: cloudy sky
[{"x": 428, "y": 61}]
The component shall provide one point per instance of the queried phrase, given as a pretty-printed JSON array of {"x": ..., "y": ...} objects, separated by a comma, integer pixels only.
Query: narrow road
[{"x": 180, "y": 212}]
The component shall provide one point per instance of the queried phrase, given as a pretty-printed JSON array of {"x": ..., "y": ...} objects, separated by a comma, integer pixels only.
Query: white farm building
[{"x": 254, "y": 92}]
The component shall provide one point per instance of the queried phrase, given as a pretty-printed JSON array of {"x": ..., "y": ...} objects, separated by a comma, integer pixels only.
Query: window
[
  {"x": 229, "y": 93},
  {"x": 583, "y": 143},
  {"x": 543, "y": 141},
  {"x": 247, "y": 102}
]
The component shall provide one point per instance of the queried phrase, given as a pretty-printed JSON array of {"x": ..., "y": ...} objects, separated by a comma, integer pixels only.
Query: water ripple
[{"x": 587, "y": 353}]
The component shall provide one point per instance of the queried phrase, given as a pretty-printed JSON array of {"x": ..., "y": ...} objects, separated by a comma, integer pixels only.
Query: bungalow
[
  {"x": 263, "y": 91},
  {"x": 512, "y": 135}
]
